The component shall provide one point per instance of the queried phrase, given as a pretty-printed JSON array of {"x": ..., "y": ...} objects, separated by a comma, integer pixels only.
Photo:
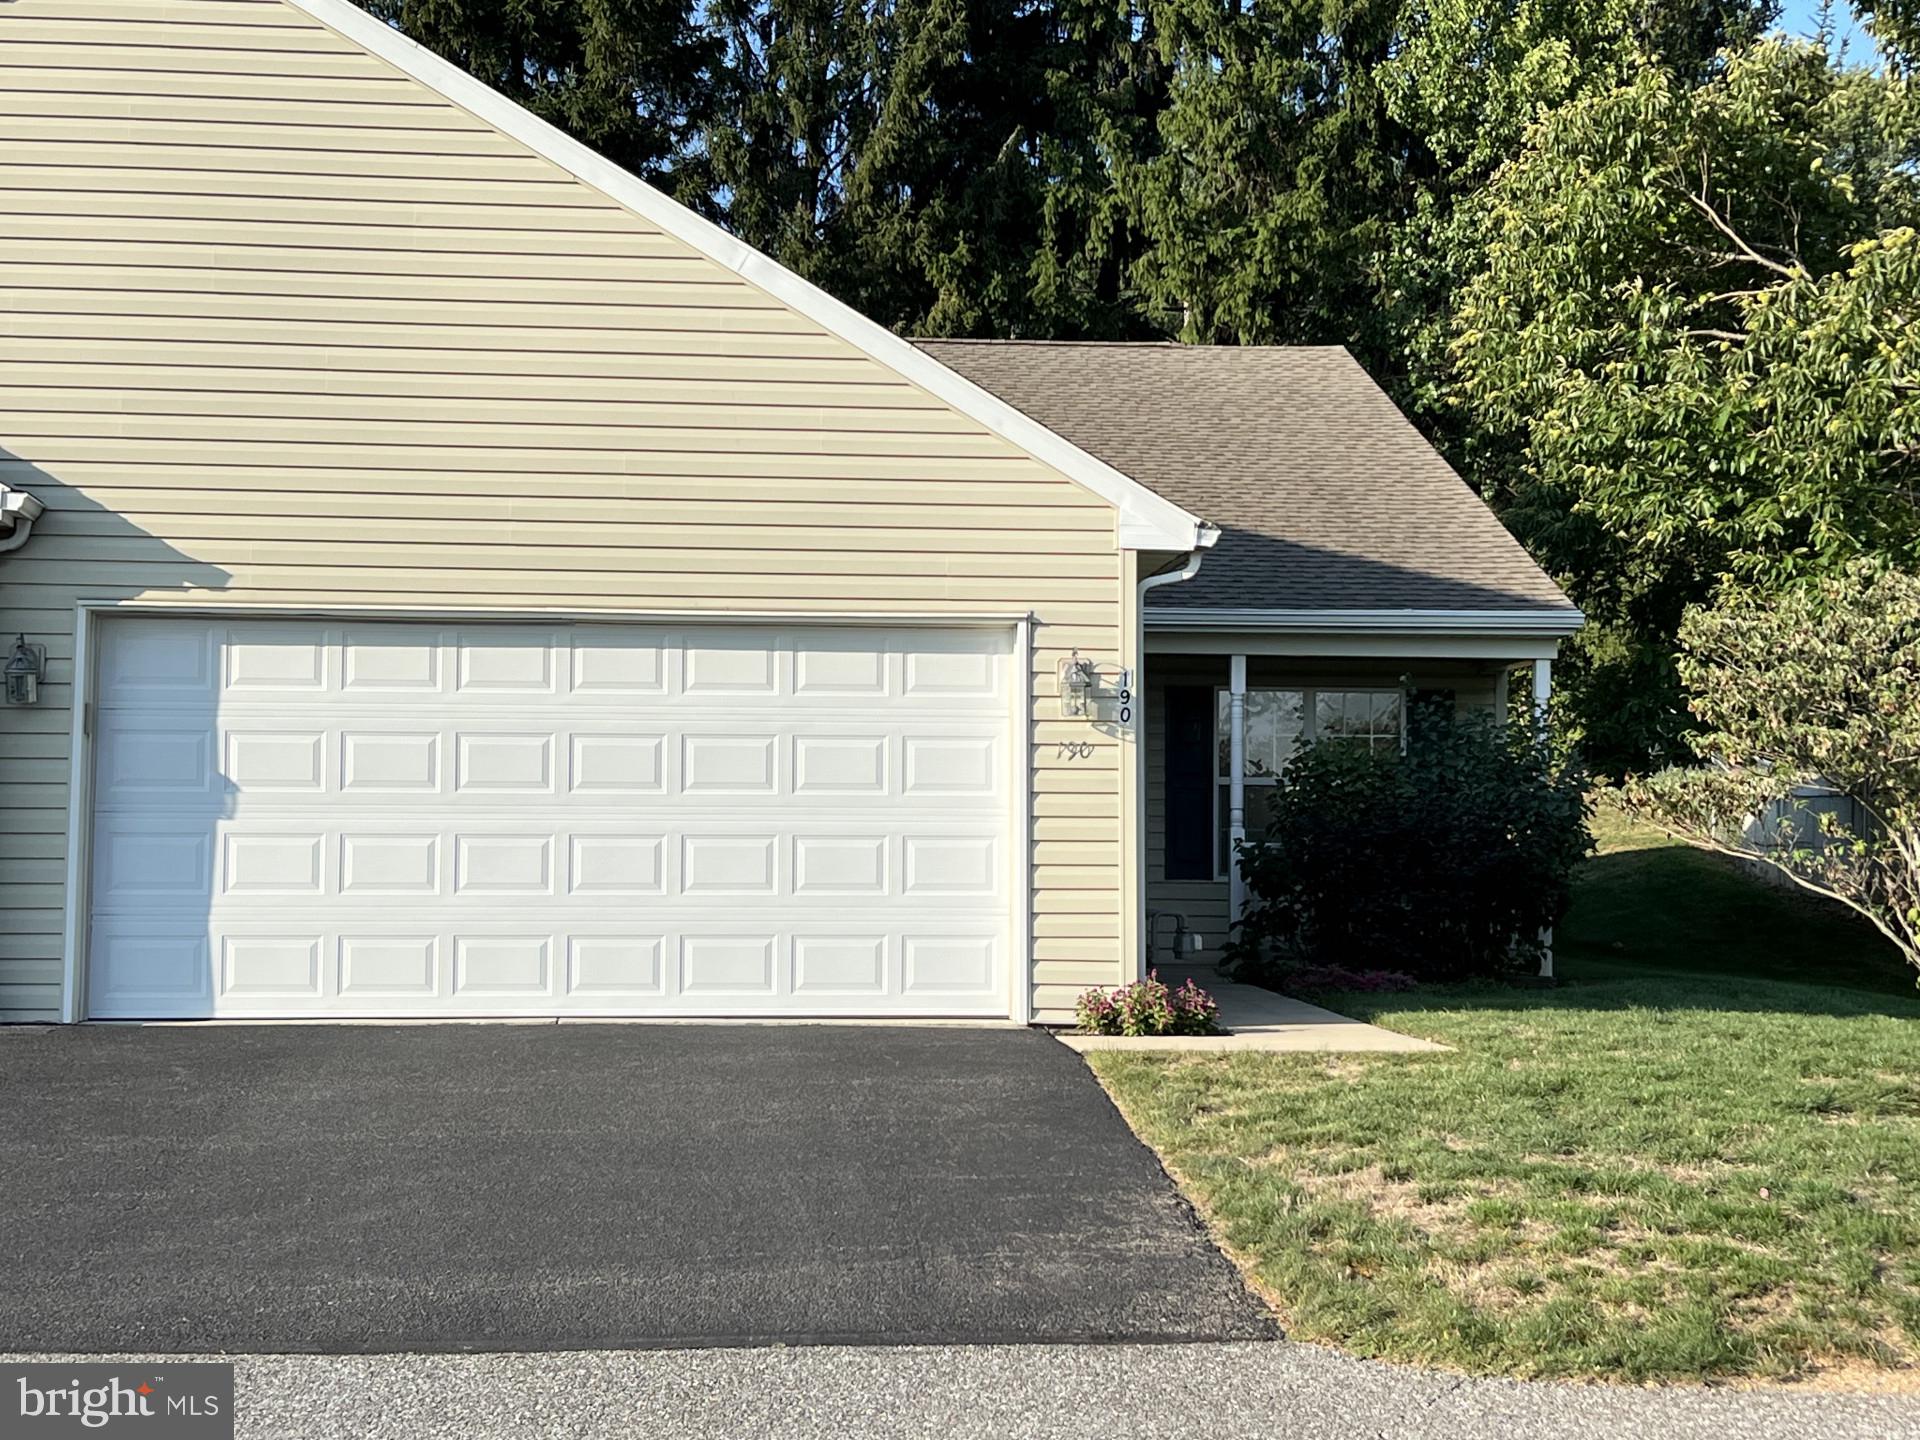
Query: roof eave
[{"x": 1545, "y": 621}]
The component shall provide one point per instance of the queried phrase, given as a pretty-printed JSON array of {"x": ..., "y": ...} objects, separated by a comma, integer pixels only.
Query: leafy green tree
[
  {"x": 1690, "y": 352},
  {"x": 1814, "y": 689},
  {"x": 1305, "y": 166},
  {"x": 628, "y": 77},
  {"x": 1471, "y": 78},
  {"x": 1895, "y": 25}
]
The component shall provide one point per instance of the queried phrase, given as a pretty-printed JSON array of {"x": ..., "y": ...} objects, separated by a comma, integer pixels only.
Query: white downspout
[{"x": 1203, "y": 541}]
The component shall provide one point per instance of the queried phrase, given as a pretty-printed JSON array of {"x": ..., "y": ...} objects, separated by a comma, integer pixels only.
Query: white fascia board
[
  {"x": 1545, "y": 621},
  {"x": 1147, "y": 521}
]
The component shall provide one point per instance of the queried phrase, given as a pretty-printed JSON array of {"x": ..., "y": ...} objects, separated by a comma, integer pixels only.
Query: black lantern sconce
[{"x": 23, "y": 670}]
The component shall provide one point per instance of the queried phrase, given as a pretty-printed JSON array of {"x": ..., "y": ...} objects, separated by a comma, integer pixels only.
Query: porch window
[{"x": 1277, "y": 720}]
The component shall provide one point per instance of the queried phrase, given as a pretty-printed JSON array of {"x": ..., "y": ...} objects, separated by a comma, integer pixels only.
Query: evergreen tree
[
  {"x": 940, "y": 164},
  {"x": 1277, "y": 172},
  {"x": 631, "y": 78}
]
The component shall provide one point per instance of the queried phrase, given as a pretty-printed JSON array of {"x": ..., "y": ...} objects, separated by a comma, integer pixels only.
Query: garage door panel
[
  {"x": 276, "y": 659},
  {"x": 614, "y": 866},
  {"x": 274, "y": 968},
  {"x": 840, "y": 965},
  {"x": 366, "y": 819},
  {"x": 265, "y": 758},
  {"x": 150, "y": 863},
  {"x": 148, "y": 969},
  {"x": 146, "y": 863},
  {"x": 505, "y": 967},
  {"x": 392, "y": 661},
  {"x": 384, "y": 969},
  {"x": 174, "y": 664},
  {"x": 395, "y": 867},
  {"x": 380, "y": 764},
  {"x": 164, "y": 757},
  {"x": 273, "y": 866},
  {"x": 189, "y": 664},
  {"x": 255, "y": 759},
  {"x": 615, "y": 968},
  {"x": 939, "y": 963}
]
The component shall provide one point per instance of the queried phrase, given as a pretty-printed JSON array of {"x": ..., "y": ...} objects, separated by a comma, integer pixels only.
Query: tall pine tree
[
  {"x": 634, "y": 79},
  {"x": 941, "y": 164}
]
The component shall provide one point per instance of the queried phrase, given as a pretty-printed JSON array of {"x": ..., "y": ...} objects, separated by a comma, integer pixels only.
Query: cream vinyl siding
[
  {"x": 1205, "y": 902},
  {"x": 280, "y": 325}
]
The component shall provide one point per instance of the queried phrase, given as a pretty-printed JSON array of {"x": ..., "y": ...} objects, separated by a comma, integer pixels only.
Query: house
[{"x": 471, "y": 584}]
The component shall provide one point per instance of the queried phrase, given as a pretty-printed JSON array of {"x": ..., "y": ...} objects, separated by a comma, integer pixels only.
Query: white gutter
[
  {"x": 1187, "y": 572},
  {"x": 18, "y": 511},
  {"x": 1545, "y": 621}
]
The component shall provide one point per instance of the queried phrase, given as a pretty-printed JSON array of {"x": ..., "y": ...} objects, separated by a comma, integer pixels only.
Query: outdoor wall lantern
[
  {"x": 1077, "y": 679},
  {"x": 23, "y": 670}
]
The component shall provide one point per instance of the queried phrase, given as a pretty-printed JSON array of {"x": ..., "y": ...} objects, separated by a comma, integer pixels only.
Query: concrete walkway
[
  {"x": 1257, "y": 1019},
  {"x": 1274, "y": 1391}
]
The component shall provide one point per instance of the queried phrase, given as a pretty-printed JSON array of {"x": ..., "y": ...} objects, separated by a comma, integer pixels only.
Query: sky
[{"x": 1802, "y": 18}]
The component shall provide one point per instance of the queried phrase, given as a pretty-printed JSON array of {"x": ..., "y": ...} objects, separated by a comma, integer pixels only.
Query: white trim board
[
  {"x": 1147, "y": 521},
  {"x": 1554, "y": 621},
  {"x": 202, "y": 603},
  {"x": 1512, "y": 648}
]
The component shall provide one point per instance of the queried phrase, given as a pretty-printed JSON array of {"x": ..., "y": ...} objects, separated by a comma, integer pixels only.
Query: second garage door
[{"x": 345, "y": 818}]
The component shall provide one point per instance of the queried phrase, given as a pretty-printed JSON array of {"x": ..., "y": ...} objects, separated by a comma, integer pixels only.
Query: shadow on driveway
[{"x": 515, "y": 1187}]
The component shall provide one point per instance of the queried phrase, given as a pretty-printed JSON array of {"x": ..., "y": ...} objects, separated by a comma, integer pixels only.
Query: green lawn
[{"x": 1699, "y": 1156}]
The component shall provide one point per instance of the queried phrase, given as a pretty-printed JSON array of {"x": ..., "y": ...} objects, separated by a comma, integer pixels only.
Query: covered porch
[{"x": 1225, "y": 707}]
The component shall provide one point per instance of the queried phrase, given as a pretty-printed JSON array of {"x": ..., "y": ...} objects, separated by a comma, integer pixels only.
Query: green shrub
[{"x": 1445, "y": 861}]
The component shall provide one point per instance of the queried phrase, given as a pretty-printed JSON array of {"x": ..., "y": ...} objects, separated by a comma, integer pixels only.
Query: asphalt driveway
[{"x": 529, "y": 1187}]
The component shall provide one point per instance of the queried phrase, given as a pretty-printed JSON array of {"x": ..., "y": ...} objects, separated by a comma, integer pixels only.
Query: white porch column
[
  {"x": 1236, "y": 783},
  {"x": 1542, "y": 693}
]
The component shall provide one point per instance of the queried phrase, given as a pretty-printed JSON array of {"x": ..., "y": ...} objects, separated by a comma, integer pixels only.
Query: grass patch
[
  {"x": 1647, "y": 902},
  {"x": 1686, "y": 1162}
]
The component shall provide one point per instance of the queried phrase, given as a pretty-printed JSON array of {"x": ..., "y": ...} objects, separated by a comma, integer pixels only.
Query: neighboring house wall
[
  {"x": 279, "y": 325},
  {"x": 1204, "y": 903},
  {"x": 1800, "y": 824}
]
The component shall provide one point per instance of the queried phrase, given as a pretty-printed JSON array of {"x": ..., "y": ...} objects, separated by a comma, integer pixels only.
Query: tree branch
[{"x": 1791, "y": 272}]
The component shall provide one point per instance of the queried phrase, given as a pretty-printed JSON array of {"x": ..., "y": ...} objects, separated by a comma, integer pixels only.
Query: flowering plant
[
  {"x": 1148, "y": 1007},
  {"x": 1323, "y": 978}
]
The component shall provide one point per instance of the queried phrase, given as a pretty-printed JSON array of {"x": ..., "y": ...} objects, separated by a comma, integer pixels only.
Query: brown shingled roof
[{"x": 1326, "y": 496}]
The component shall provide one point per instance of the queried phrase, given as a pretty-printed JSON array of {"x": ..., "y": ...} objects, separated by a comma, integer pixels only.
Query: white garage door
[{"x": 341, "y": 818}]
